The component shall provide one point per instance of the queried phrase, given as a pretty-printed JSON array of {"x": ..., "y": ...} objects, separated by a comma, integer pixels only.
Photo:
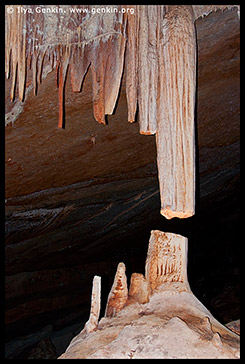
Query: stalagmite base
[{"x": 159, "y": 317}]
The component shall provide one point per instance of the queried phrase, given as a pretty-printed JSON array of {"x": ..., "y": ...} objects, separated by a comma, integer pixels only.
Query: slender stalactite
[
  {"x": 113, "y": 68},
  {"x": 21, "y": 46},
  {"x": 63, "y": 67},
  {"x": 131, "y": 63},
  {"x": 148, "y": 68}
]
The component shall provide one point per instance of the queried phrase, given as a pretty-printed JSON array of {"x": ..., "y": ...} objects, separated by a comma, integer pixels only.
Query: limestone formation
[
  {"x": 155, "y": 44},
  {"x": 166, "y": 262},
  {"x": 161, "y": 319},
  {"x": 92, "y": 322},
  {"x": 175, "y": 136},
  {"x": 139, "y": 288},
  {"x": 148, "y": 68},
  {"x": 119, "y": 292}
]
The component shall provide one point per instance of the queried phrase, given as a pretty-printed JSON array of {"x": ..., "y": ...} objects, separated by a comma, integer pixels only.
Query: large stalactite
[{"x": 155, "y": 45}]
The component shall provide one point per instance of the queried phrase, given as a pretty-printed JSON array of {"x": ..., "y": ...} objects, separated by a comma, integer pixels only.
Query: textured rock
[
  {"x": 173, "y": 324},
  {"x": 139, "y": 289},
  {"x": 166, "y": 261},
  {"x": 175, "y": 136},
  {"x": 92, "y": 322},
  {"x": 43, "y": 350},
  {"x": 139, "y": 334},
  {"x": 234, "y": 326},
  {"x": 119, "y": 292}
]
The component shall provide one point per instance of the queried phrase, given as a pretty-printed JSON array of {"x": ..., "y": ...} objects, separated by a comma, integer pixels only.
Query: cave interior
[{"x": 83, "y": 197}]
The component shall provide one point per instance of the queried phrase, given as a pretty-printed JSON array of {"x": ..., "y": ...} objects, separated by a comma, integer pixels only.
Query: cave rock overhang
[{"x": 154, "y": 44}]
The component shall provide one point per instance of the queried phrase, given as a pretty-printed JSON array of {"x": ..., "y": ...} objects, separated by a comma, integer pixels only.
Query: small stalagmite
[
  {"x": 139, "y": 288},
  {"x": 92, "y": 322},
  {"x": 119, "y": 292}
]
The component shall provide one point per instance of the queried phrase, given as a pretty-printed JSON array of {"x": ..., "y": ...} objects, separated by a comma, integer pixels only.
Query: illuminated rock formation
[
  {"x": 175, "y": 136},
  {"x": 119, "y": 292},
  {"x": 90, "y": 192},
  {"x": 166, "y": 263},
  {"x": 160, "y": 66},
  {"x": 168, "y": 323},
  {"x": 92, "y": 323}
]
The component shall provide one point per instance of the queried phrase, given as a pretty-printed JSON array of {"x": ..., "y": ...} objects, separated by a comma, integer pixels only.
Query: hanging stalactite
[
  {"x": 148, "y": 68},
  {"x": 76, "y": 41},
  {"x": 159, "y": 44},
  {"x": 175, "y": 135}
]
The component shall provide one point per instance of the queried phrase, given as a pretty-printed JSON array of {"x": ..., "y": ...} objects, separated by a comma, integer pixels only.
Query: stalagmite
[
  {"x": 92, "y": 322},
  {"x": 161, "y": 318},
  {"x": 118, "y": 295},
  {"x": 139, "y": 288},
  {"x": 166, "y": 262},
  {"x": 175, "y": 135}
]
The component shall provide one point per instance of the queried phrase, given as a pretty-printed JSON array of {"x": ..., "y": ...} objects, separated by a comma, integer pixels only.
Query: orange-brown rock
[
  {"x": 139, "y": 289},
  {"x": 119, "y": 292}
]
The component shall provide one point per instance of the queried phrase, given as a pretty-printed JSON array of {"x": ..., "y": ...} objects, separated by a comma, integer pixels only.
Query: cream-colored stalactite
[
  {"x": 148, "y": 68},
  {"x": 131, "y": 63},
  {"x": 175, "y": 136}
]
